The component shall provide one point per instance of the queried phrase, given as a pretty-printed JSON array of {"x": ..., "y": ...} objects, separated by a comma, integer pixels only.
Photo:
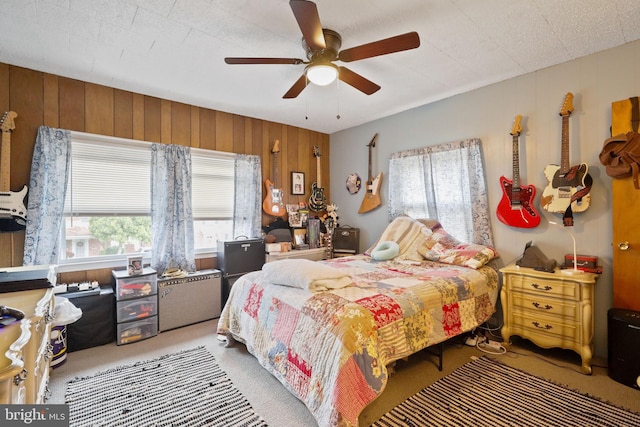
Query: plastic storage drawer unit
[
  {"x": 129, "y": 332},
  {"x": 137, "y": 309},
  {"x": 141, "y": 285}
]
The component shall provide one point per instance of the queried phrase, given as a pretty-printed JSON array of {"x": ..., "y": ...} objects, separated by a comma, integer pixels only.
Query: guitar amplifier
[
  {"x": 624, "y": 346},
  {"x": 240, "y": 256},
  {"x": 191, "y": 299},
  {"x": 346, "y": 241}
]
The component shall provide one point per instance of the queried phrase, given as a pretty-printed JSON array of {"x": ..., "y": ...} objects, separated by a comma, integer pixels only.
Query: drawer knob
[
  {"x": 624, "y": 246},
  {"x": 538, "y": 305},
  {"x": 537, "y": 325},
  {"x": 21, "y": 377},
  {"x": 542, "y": 288}
]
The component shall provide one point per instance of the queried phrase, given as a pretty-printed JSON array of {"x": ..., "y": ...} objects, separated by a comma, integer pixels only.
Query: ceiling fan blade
[
  {"x": 293, "y": 61},
  {"x": 356, "y": 80},
  {"x": 297, "y": 87},
  {"x": 306, "y": 14},
  {"x": 381, "y": 47}
]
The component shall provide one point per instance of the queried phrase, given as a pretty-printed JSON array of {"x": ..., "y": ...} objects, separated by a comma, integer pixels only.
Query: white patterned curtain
[
  {"x": 47, "y": 189},
  {"x": 247, "y": 191},
  {"x": 445, "y": 182},
  {"x": 171, "y": 214}
]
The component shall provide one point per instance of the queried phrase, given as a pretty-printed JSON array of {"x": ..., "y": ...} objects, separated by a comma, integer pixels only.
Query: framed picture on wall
[{"x": 297, "y": 183}]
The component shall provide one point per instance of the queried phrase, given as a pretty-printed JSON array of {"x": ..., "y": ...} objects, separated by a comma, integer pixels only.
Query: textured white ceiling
[{"x": 174, "y": 49}]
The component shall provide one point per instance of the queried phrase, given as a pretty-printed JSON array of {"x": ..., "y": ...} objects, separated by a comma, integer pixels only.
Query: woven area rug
[
  {"x": 181, "y": 389},
  {"x": 485, "y": 392}
]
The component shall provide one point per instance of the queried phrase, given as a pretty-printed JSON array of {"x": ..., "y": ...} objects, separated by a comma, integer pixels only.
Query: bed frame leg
[{"x": 437, "y": 350}]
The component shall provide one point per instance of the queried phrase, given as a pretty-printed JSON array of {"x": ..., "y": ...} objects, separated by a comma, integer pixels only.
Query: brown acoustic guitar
[
  {"x": 13, "y": 213},
  {"x": 372, "y": 195},
  {"x": 273, "y": 204}
]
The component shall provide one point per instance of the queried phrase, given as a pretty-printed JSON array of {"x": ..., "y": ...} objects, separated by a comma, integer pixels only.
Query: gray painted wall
[{"x": 487, "y": 113}]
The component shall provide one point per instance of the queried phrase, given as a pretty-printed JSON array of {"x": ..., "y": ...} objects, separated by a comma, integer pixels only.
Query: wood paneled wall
[{"x": 45, "y": 99}]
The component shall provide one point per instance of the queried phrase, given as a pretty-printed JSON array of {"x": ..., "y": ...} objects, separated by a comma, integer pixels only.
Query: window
[
  {"x": 444, "y": 182},
  {"x": 108, "y": 207},
  {"x": 212, "y": 195}
]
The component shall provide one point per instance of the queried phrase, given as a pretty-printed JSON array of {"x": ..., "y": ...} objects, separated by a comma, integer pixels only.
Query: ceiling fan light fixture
[{"x": 322, "y": 74}]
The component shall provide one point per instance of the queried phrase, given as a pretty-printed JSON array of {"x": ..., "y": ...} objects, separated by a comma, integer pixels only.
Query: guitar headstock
[
  {"x": 372, "y": 144},
  {"x": 316, "y": 151},
  {"x": 7, "y": 124},
  {"x": 276, "y": 146},
  {"x": 517, "y": 127},
  {"x": 567, "y": 105}
]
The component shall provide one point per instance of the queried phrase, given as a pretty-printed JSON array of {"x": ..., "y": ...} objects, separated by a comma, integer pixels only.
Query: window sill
[{"x": 69, "y": 266}]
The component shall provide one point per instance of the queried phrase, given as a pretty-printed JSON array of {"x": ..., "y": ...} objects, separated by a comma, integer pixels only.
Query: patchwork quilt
[{"x": 331, "y": 348}]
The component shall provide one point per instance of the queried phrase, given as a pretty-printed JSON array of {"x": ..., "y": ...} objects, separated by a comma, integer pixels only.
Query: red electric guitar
[{"x": 516, "y": 206}]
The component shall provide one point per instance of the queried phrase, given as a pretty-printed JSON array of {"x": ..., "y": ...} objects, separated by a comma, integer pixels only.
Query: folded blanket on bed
[{"x": 305, "y": 274}]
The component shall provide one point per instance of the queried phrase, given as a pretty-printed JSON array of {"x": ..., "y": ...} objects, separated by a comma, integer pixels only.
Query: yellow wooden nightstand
[{"x": 550, "y": 309}]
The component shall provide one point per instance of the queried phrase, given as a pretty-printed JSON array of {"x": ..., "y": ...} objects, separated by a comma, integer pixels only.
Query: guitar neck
[
  {"x": 319, "y": 172},
  {"x": 275, "y": 169},
  {"x": 516, "y": 162},
  {"x": 5, "y": 162},
  {"x": 370, "y": 174},
  {"x": 565, "y": 165}
]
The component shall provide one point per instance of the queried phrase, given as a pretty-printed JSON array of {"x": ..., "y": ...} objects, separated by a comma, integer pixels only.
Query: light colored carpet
[
  {"x": 487, "y": 393},
  {"x": 280, "y": 409}
]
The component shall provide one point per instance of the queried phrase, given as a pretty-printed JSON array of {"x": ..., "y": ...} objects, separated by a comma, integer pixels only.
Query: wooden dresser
[
  {"x": 550, "y": 309},
  {"x": 33, "y": 347},
  {"x": 13, "y": 339}
]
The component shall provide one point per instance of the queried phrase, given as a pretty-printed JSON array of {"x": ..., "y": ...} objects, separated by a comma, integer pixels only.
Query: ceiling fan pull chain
[
  {"x": 306, "y": 102},
  {"x": 338, "y": 99}
]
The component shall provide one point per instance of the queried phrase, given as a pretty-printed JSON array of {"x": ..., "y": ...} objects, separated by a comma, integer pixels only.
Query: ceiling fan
[{"x": 323, "y": 47}]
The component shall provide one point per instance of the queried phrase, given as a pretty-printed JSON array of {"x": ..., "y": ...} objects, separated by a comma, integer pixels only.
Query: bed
[{"x": 327, "y": 330}]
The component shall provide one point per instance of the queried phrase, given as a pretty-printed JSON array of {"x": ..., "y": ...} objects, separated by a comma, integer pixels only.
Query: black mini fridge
[{"x": 238, "y": 257}]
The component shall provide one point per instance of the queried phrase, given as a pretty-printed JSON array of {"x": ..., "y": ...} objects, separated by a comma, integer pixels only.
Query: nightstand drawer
[
  {"x": 540, "y": 304},
  {"x": 547, "y": 325},
  {"x": 543, "y": 286}
]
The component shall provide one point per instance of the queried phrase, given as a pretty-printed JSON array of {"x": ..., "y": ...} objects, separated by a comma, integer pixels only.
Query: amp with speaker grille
[
  {"x": 191, "y": 299},
  {"x": 346, "y": 241}
]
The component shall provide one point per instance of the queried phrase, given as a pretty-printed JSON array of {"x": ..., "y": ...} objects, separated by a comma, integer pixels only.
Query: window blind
[
  {"x": 112, "y": 176},
  {"x": 212, "y": 186},
  {"x": 108, "y": 178}
]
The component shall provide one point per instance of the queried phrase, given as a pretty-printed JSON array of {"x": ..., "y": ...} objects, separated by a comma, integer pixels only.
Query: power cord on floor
[{"x": 485, "y": 345}]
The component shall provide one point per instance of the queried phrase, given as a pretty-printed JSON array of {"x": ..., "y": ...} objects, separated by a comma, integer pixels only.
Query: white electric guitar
[
  {"x": 567, "y": 186},
  {"x": 13, "y": 213}
]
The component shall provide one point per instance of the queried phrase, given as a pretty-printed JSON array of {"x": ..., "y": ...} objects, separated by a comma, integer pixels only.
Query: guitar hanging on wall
[
  {"x": 317, "y": 200},
  {"x": 568, "y": 187},
  {"x": 516, "y": 206},
  {"x": 372, "y": 195},
  {"x": 273, "y": 204},
  {"x": 13, "y": 213}
]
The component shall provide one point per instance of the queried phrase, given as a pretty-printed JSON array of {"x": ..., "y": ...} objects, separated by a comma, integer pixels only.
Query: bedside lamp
[{"x": 574, "y": 270}]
